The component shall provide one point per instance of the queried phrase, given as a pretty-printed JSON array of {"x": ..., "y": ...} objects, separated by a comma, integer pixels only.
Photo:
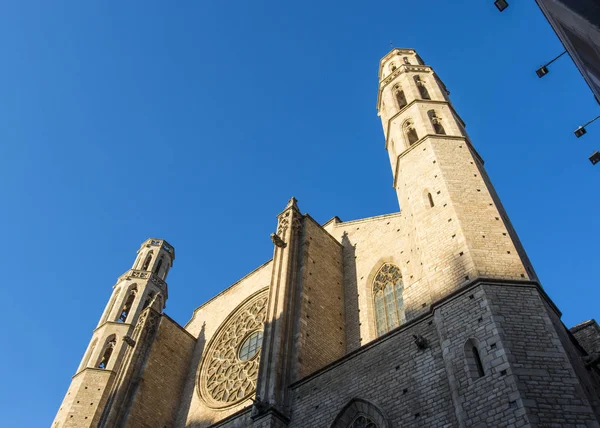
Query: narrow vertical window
[
  {"x": 473, "y": 360},
  {"x": 127, "y": 305},
  {"x": 108, "y": 350},
  {"x": 388, "y": 299},
  {"x": 406, "y": 61},
  {"x": 436, "y": 122},
  {"x": 431, "y": 204},
  {"x": 400, "y": 97},
  {"x": 147, "y": 261},
  {"x": 422, "y": 89},
  {"x": 158, "y": 265},
  {"x": 480, "y": 371},
  {"x": 411, "y": 133}
]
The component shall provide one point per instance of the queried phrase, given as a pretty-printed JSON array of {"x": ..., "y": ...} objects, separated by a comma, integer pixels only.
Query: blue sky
[{"x": 195, "y": 121}]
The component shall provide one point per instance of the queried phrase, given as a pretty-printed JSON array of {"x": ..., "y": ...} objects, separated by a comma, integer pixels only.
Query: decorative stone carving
[
  {"x": 388, "y": 274},
  {"x": 284, "y": 223},
  {"x": 277, "y": 240},
  {"x": 224, "y": 378},
  {"x": 128, "y": 340}
]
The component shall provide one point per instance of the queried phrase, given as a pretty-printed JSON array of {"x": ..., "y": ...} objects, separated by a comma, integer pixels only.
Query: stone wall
[
  {"x": 319, "y": 334},
  {"x": 407, "y": 383},
  {"x": 549, "y": 387},
  {"x": 588, "y": 335},
  {"x": 85, "y": 399},
  {"x": 157, "y": 397}
]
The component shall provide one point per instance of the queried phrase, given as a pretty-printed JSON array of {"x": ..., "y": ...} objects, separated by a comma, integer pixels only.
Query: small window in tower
[
  {"x": 108, "y": 350},
  {"x": 406, "y": 61},
  {"x": 411, "y": 133},
  {"x": 400, "y": 97},
  {"x": 127, "y": 305},
  {"x": 147, "y": 261},
  {"x": 436, "y": 122},
  {"x": 158, "y": 265},
  {"x": 473, "y": 359},
  {"x": 430, "y": 198},
  {"x": 393, "y": 67},
  {"x": 422, "y": 89}
]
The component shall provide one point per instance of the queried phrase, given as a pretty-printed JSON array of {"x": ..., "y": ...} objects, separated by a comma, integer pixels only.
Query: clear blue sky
[{"x": 195, "y": 121}]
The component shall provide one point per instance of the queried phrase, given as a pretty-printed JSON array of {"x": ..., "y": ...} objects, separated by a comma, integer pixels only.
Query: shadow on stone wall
[
  {"x": 351, "y": 313},
  {"x": 188, "y": 390}
]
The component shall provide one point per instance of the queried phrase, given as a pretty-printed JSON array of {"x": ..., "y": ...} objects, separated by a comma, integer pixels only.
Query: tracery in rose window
[{"x": 230, "y": 368}]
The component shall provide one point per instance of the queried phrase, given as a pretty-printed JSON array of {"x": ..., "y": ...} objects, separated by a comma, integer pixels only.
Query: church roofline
[
  {"x": 362, "y": 220},
  {"x": 226, "y": 290}
]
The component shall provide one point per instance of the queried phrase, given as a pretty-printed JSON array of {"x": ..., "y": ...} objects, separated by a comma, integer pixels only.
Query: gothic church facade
[{"x": 430, "y": 317}]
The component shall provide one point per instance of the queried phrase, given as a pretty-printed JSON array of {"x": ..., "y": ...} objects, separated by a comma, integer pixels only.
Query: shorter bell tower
[{"x": 141, "y": 286}]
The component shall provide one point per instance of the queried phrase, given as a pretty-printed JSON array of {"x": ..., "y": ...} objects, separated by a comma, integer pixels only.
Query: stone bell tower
[
  {"x": 457, "y": 224},
  {"x": 142, "y": 286}
]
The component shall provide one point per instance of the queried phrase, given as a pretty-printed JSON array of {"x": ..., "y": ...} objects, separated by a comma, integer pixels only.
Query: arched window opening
[
  {"x": 436, "y": 122},
  {"x": 406, "y": 61},
  {"x": 393, "y": 67},
  {"x": 158, "y": 265},
  {"x": 473, "y": 359},
  {"x": 388, "y": 299},
  {"x": 430, "y": 198},
  {"x": 147, "y": 261},
  {"x": 411, "y": 133},
  {"x": 149, "y": 300},
  {"x": 359, "y": 413},
  {"x": 88, "y": 355},
  {"x": 108, "y": 350},
  {"x": 422, "y": 89},
  {"x": 400, "y": 97},
  {"x": 110, "y": 306},
  {"x": 127, "y": 305},
  {"x": 363, "y": 421}
]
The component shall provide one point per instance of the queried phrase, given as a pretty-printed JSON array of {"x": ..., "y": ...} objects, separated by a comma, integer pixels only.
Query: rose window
[{"x": 229, "y": 369}]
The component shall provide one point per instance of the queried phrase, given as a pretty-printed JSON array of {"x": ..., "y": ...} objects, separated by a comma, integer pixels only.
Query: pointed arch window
[
  {"x": 110, "y": 306},
  {"x": 422, "y": 89},
  {"x": 158, "y": 266},
  {"x": 436, "y": 122},
  {"x": 359, "y": 413},
  {"x": 400, "y": 97},
  {"x": 147, "y": 261},
  {"x": 430, "y": 200},
  {"x": 410, "y": 132},
  {"x": 127, "y": 305},
  {"x": 88, "y": 355},
  {"x": 388, "y": 299},
  {"x": 473, "y": 359},
  {"x": 108, "y": 350}
]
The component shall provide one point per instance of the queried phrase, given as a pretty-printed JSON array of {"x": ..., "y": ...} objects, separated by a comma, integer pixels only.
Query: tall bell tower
[
  {"x": 456, "y": 222},
  {"x": 141, "y": 286}
]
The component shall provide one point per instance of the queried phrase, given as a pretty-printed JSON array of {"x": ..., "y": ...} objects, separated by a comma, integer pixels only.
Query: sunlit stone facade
[{"x": 432, "y": 316}]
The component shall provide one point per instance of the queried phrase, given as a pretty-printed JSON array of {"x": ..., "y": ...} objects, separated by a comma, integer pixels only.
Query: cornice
[{"x": 436, "y": 136}]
